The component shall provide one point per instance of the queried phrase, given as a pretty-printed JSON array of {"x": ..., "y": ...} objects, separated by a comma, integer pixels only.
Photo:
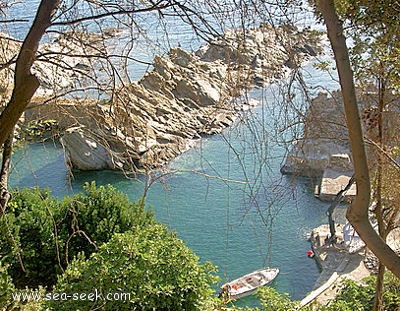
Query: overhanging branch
[{"x": 155, "y": 7}]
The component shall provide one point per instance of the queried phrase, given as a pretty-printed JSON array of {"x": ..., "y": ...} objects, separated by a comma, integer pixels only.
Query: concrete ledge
[
  {"x": 334, "y": 181},
  {"x": 315, "y": 293}
]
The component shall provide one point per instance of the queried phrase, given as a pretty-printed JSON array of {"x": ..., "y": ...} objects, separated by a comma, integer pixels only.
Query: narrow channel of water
[{"x": 240, "y": 227}]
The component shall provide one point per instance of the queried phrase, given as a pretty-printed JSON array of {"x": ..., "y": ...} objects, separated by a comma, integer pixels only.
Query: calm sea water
[{"x": 240, "y": 227}]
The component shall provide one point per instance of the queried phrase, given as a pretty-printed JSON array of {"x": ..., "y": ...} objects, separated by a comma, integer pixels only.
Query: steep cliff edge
[{"x": 325, "y": 134}]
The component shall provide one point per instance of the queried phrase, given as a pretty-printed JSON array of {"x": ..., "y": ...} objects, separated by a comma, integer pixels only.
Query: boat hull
[{"x": 248, "y": 284}]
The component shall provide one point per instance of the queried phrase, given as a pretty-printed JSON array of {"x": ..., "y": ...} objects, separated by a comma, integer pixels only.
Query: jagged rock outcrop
[
  {"x": 158, "y": 117},
  {"x": 184, "y": 96},
  {"x": 325, "y": 134},
  {"x": 51, "y": 75},
  {"x": 324, "y": 150},
  {"x": 264, "y": 54}
]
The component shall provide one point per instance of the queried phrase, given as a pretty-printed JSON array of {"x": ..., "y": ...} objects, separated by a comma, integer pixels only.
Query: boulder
[{"x": 84, "y": 152}]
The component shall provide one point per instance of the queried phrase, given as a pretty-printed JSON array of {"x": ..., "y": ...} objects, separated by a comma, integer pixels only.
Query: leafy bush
[
  {"x": 352, "y": 297},
  {"x": 40, "y": 234},
  {"x": 359, "y": 297},
  {"x": 8, "y": 295},
  {"x": 157, "y": 270},
  {"x": 6, "y": 287},
  {"x": 271, "y": 300},
  {"x": 27, "y": 240},
  {"x": 391, "y": 295},
  {"x": 97, "y": 213}
]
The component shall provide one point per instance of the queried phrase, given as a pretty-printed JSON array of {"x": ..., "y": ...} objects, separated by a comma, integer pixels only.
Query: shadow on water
[{"x": 40, "y": 165}]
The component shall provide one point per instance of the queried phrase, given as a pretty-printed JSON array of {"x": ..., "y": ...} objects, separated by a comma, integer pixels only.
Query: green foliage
[
  {"x": 374, "y": 27},
  {"x": 152, "y": 265},
  {"x": 100, "y": 212},
  {"x": 113, "y": 246},
  {"x": 6, "y": 287},
  {"x": 371, "y": 15},
  {"x": 38, "y": 130},
  {"x": 271, "y": 300},
  {"x": 27, "y": 240},
  {"x": 7, "y": 290},
  {"x": 352, "y": 297},
  {"x": 323, "y": 65},
  {"x": 39, "y": 234},
  {"x": 391, "y": 295},
  {"x": 361, "y": 297}
]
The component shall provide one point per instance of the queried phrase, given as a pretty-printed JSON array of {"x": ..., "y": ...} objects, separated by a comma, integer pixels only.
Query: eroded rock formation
[
  {"x": 325, "y": 134},
  {"x": 185, "y": 96},
  {"x": 324, "y": 150}
]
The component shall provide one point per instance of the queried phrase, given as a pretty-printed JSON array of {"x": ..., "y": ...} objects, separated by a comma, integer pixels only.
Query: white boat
[{"x": 247, "y": 284}]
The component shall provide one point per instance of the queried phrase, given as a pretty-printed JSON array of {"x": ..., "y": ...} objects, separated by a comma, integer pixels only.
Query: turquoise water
[
  {"x": 260, "y": 220},
  {"x": 215, "y": 219}
]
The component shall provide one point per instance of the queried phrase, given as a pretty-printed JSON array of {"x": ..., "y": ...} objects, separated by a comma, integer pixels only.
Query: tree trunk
[
  {"x": 338, "y": 199},
  {"x": 25, "y": 86},
  {"x": 5, "y": 169},
  {"x": 378, "y": 301},
  {"x": 357, "y": 213},
  {"x": 25, "y": 83}
]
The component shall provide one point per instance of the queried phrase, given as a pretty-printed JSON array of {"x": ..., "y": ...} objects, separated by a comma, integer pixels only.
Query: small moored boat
[{"x": 247, "y": 284}]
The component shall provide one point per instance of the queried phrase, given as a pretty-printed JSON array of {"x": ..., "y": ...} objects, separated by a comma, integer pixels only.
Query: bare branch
[
  {"x": 151, "y": 181},
  {"x": 13, "y": 21},
  {"x": 155, "y": 7}
]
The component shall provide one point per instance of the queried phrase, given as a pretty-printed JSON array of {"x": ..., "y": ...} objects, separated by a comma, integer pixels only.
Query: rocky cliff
[
  {"x": 185, "y": 96},
  {"x": 324, "y": 150},
  {"x": 325, "y": 134}
]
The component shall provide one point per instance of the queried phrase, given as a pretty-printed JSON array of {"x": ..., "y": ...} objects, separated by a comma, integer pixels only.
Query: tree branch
[
  {"x": 25, "y": 83},
  {"x": 155, "y": 7},
  {"x": 357, "y": 213},
  {"x": 151, "y": 180},
  {"x": 13, "y": 21}
]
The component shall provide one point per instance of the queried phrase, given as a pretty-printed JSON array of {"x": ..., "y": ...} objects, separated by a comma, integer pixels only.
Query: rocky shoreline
[
  {"x": 324, "y": 150},
  {"x": 186, "y": 96}
]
